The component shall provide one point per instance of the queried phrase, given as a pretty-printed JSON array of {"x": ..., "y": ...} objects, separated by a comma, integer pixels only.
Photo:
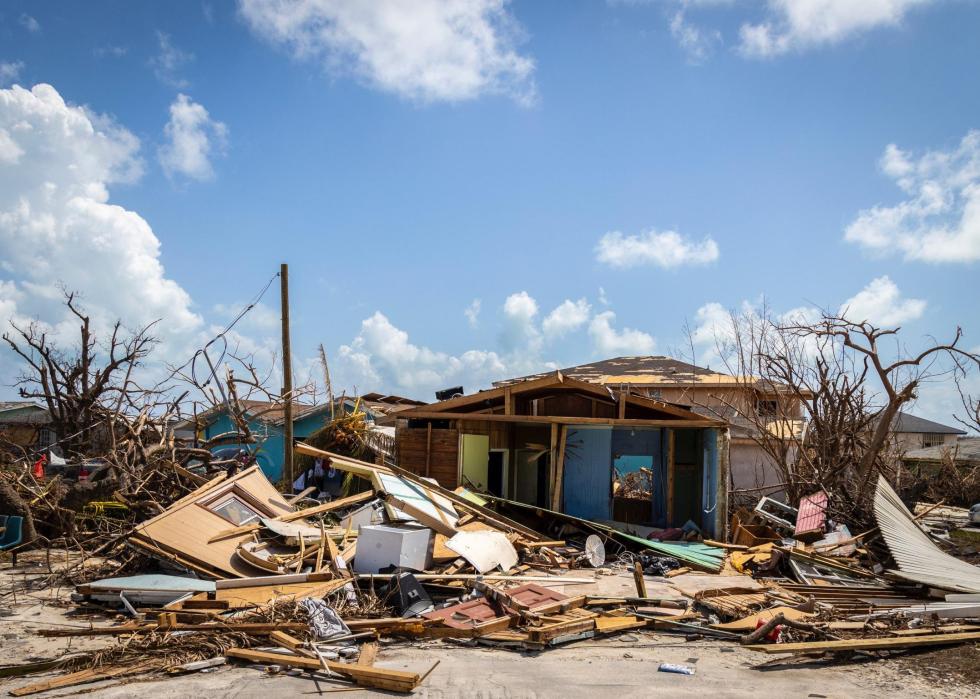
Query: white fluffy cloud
[
  {"x": 567, "y": 317},
  {"x": 609, "y": 342},
  {"x": 662, "y": 249},
  {"x": 794, "y": 25},
  {"x": 382, "y": 357},
  {"x": 939, "y": 221},
  {"x": 881, "y": 303},
  {"x": 425, "y": 50},
  {"x": 59, "y": 227},
  {"x": 193, "y": 137}
]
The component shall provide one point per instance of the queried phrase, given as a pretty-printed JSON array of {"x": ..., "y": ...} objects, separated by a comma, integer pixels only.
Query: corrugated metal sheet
[
  {"x": 812, "y": 515},
  {"x": 917, "y": 557}
]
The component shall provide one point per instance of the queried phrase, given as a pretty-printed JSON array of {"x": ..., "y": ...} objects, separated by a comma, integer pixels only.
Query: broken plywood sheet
[
  {"x": 484, "y": 550},
  {"x": 184, "y": 531}
]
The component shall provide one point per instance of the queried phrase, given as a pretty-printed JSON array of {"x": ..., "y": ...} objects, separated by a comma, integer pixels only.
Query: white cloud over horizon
[
  {"x": 939, "y": 221},
  {"x": 382, "y": 357},
  {"x": 192, "y": 139},
  {"x": 666, "y": 249}
]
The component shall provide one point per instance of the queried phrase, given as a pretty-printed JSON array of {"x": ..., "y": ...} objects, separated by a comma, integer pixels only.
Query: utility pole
[{"x": 287, "y": 378}]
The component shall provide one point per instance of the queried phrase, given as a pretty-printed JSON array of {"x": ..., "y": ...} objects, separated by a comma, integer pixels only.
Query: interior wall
[{"x": 587, "y": 480}]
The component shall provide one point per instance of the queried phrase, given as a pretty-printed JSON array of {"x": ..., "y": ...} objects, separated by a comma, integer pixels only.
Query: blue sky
[{"x": 723, "y": 151}]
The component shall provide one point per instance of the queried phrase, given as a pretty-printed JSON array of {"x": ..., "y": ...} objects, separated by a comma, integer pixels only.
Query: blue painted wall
[
  {"x": 270, "y": 454},
  {"x": 709, "y": 483},
  {"x": 587, "y": 481}
]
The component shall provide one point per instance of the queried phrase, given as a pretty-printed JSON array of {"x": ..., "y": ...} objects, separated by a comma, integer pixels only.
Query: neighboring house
[
  {"x": 910, "y": 433},
  {"x": 24, "y": 426},
  {"x": 266, "y": 420},
  {"x": 964, "y": 452},
  {"x": 709, "y": 393},
  {"x": 558, "y": 442}
]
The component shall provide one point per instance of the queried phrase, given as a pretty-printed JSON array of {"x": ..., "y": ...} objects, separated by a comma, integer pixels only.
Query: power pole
[
  {"x": 287, "y": 378},
  {"x": 326, "y": 379}
]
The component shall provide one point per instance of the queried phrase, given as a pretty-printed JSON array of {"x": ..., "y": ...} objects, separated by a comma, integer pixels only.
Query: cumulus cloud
[
  {"x": 472, "y": 313},
  {"x": 881, "y": 303},
  {"x": 58, "y": 226},
  {"x": 567, "y": 317},
  {"x": 520, "y": 331},
  {"x": 10, "y": 72},
  {"x": 939, "y": 221},
  {"x": 192, "y": 137},
  {"x": 665, "y": 249},
  {"x": 382, "y": 357},
  {"x": 169, "y": 61},
  {"x": 607, "y": 341},
  {"x": 424, "y": 50},
  {"x": 795, "y": 25}
]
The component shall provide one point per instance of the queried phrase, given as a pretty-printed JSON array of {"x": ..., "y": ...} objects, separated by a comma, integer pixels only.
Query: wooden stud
[{"x": 641, "y": 585}]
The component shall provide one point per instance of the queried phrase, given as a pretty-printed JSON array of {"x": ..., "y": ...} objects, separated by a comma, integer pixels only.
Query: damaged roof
[
  {"x": 906, "y": 423},
  {"x": 638, "y": 371}
]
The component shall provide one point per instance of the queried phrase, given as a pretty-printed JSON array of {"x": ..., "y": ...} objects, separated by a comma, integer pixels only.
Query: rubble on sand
[{"x": 228, "y": 570}]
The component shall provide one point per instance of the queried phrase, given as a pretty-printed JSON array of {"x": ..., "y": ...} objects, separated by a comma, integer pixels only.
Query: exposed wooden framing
[
  {"x": 622, "y": 404},
  {"x": 641, "y": 585},
  {"x": 508, "y": 401},
  {"x": 442, "y": 409},
  {"x": 563, "y": 420},
  {"x": 670, "y": 475},
  {"x": 559, "y": 470},
  {"x": 428, "y": 449}
]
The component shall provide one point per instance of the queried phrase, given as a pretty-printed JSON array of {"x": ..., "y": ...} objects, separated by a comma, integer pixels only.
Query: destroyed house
[{"x": 594, "y": 452}]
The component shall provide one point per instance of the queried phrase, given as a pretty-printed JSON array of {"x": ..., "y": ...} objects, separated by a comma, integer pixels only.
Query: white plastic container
[{"x": 381, "y": 545}]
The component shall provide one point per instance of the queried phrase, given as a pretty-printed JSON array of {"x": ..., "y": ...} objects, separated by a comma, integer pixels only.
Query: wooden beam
[
  {"x": 641, "y": 585},
  {"x": 556, "y": 488},
  {"x": 363, "y": 675},
  {"x": 428, "y": 449},
  {"x": 508, "y": 401},
  {"x": 867, "y": 643},
  {"x": 622, "y": 404},
  {"x": 563, "y": 420},
  {"x": 670, "y": 476}
]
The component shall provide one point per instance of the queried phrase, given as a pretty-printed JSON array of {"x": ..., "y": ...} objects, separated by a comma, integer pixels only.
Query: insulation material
[
  {"x": 484, "y": 550},
  {"x": 917, "y": 557}
]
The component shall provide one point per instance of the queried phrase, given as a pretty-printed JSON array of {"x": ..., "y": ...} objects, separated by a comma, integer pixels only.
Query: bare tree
[
  {"x": 81, "y": 384},
  {"x": 825, "y": 394}
]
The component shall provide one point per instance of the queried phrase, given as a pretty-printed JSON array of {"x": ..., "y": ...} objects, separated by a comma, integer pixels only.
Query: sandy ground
[{"x": 622, "y": 666}]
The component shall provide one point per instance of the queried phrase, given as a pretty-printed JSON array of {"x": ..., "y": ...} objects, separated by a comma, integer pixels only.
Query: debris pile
[{"x": 235, "y": 572}]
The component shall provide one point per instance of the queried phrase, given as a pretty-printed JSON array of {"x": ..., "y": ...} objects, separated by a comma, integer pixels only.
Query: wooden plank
[
  {"x": 670, "y": 475},
  {"x": 556, "y": 488},
  {"x": 82, "y": 677},
  {"x": 641, "y": 585},
  {"x": 428, "y": 449},
  {"x": 369, "y": 651},
  {"x": 377, "y": 677},
  {"x": 867, "y": 643}
]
